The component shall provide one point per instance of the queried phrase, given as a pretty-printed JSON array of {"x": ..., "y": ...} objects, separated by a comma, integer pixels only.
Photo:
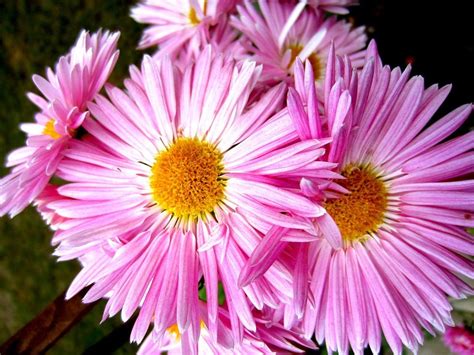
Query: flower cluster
[{"x": 261, "y": 182}]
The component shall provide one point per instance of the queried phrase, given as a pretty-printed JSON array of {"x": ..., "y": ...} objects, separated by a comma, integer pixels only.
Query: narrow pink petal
[
  {"x": 301, "y": 274},
  {"x": 138, "y": 289},
  {"x": 459, "y": 199},
  {"x": 330, "y": 231},
  {"x": 187, "y": 274},
  {"x": 298, "y": 114},
  {"x": 279, "y": 198},
  {"x": 268, "y": 214},
  {"x": 157, "y": 96},
  {"x": 436, "y": 132},
  {"x": 263, "y": 256},
  {"x": 166, "y": 306},
  {"x": 85, "y": 277},
  {"x": 235, "y": 297},
  {"x": 208, "y": 264},
  {"x": 441, "y": 153}
]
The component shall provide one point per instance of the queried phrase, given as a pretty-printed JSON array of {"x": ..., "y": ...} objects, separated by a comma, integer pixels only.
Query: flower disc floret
[
  {"x": 186, "y": 178},
  {"x": 361, "y": 212}
]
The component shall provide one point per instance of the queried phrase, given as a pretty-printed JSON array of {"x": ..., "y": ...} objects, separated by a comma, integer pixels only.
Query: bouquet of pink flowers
[{"x": 265, "y": 155}]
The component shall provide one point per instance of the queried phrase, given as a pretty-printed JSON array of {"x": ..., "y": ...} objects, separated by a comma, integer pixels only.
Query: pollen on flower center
[
  {"x": 360, "y": 212},
  {"x": 49, "y": 129},
  {"x": 174, "y": 330},
  {"x": 186, "y": 179},
  {"x": 192, "y": 16},
  {"x": 295, "y": 50}
]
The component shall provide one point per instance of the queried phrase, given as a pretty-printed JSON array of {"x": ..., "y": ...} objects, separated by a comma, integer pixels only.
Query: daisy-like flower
[
  {"x": 334, "y": 6},
  {"x": 269, "y": 338},
  {"x": 175, "y": 23},
  {"x": 79, "y": 76},
  {"x": 459, "y": 340},
  {"x": 223, "y": 38},
  {"x": 183, "y": 182},
  {"x": 403, "y": 221},
  {"x": 279, "y": 32}
]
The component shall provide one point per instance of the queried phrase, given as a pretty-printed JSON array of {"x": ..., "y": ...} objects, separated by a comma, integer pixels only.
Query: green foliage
[{"x": 203, "y": 296}]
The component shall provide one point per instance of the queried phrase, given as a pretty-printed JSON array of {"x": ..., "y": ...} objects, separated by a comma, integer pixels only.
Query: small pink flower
[
  {"x": 223, "y": 38},
  {"x": 280, "y": 32},
  {"x": 459, "y": 340},
  {"x": 179, "y": 23},
  {"x": 268, "y": 338},
  {"x": 78, "y": 77},
  {"x": 334, "y": 6}
]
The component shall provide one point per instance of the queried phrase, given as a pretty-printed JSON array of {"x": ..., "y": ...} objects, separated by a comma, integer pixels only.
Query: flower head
[
  {"x": 281, "y": 32},
  {"x": 175, "y": 24},
  {"x": 268, "y": 338},
  {"x": 403, "y": 219},
  {"x": 459, "y": 340},
  {"x": 77, "y": 78},
  {"x": 334, "y": 6},
  {"x": 183, "y": 180}
]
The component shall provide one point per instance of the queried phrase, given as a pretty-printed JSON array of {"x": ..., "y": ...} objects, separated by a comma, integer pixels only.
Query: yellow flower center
[
  {"x": 192, "y": 16},
  {"x": 313, "y": 58},
  {"x": 174, "y": 330},
  {"x": 186, "y": 179},
  {"x": 361, "y": 212},
  {"x": 49, "y": 129}
]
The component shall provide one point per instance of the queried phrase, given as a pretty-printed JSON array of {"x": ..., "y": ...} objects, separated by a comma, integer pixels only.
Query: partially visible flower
[
  {"x": 184, "y": 180},
  {"x": 459, "y": 340},
  {"x": 176, "y": 23},
  {"x": 334, "y": 6},
  {"x": 77, "y": 78},
  {"x": 268, "y": 338},
  {"x": 49, "y": 194},
  {"x": 277, "y": 34},
  {"x": 403, "y": 221},
  {"x": 223, "y": 38}
]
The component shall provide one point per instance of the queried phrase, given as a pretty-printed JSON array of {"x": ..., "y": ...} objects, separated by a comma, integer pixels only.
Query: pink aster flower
[
  {"x": 268, "y": 338},
  {"x": 459, "y": 340},
  {"x": 281, "y": 32},
  {"x": 79, "y": 76},
  {"x": 175, "y": 23},
  {"x": 184, "y": 181},
  {"x": 403, "y": 221},
  {"x": 334, "y": 6},
  {"x": 223, "y": 38}
]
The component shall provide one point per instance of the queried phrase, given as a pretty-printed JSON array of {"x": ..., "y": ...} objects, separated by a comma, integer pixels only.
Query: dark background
[{"x": 436, "y": 37}]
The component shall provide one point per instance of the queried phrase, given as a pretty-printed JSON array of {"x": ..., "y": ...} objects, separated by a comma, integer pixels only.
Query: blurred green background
[{"x": 33, "y": 35}]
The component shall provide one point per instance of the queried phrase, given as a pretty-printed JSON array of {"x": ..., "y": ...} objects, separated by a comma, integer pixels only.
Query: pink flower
[
  {"x": 281, "y": 32},
  {"x": 268, "y": 338},
  {"x": 403, "y": 221},
  {"x": 459, "y": 340},
  {"x": 175, "y": 23},
  {"x": 222, "y": 37},
  {"x": 334, "y": 6},
  {"x": 183, "y": 182},
  {"x": 79, "y": 76}
]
